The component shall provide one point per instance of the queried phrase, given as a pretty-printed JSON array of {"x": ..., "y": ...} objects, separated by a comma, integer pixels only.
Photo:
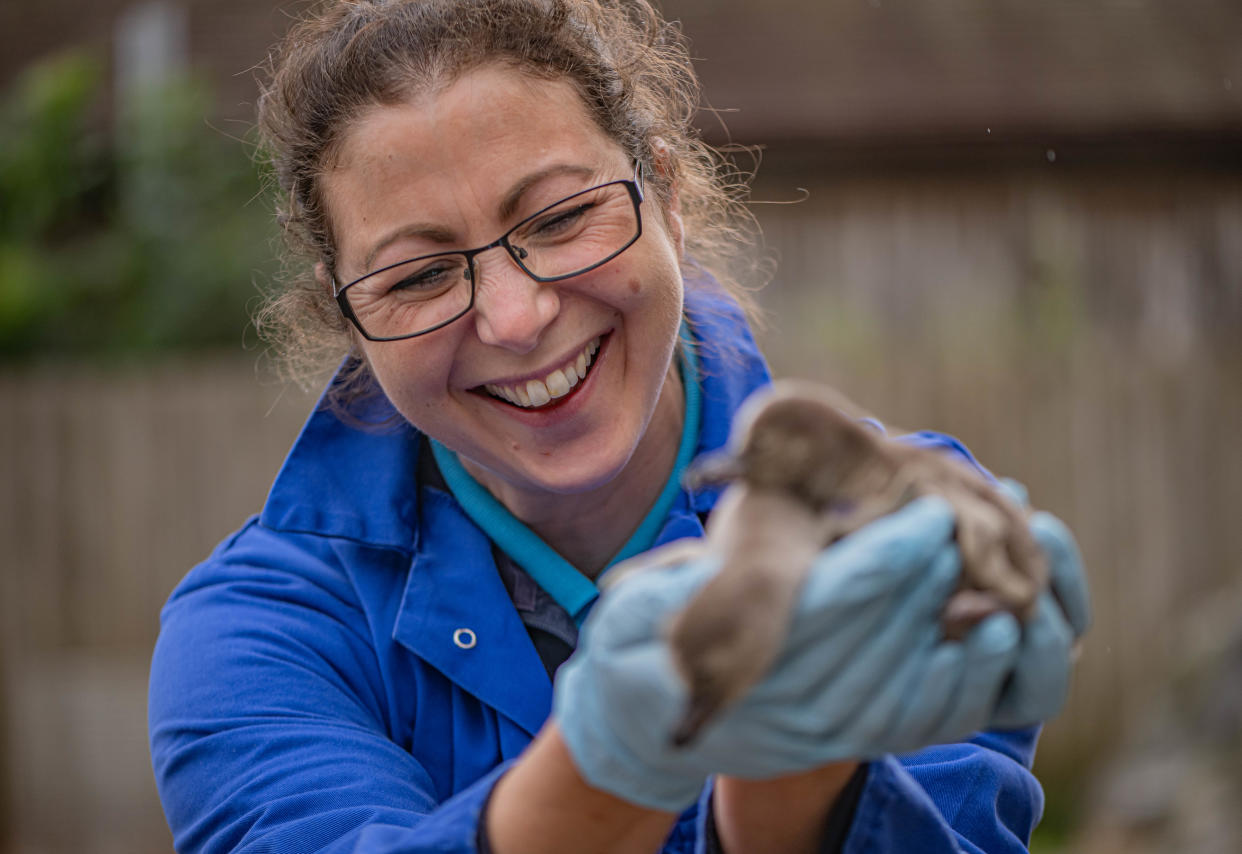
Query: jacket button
[{"x": 465, "y": 638}]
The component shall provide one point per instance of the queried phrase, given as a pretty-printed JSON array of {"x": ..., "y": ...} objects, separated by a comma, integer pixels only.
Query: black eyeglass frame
[{"x": 633, "y": 187}]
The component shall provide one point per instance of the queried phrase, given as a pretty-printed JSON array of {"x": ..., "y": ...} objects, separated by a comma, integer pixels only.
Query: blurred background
[{"x": 1016, "y": 221}]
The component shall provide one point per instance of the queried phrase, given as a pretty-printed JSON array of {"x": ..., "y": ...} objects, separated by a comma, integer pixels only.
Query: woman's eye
[
  {"x": 560, "y": 221},
  {"x": 428, "y": 279}
]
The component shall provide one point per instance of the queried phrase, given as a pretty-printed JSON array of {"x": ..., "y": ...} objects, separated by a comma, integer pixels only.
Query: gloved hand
[
  {"x": 1037, "y": 688},
  {"x": 864, "y": 670}
]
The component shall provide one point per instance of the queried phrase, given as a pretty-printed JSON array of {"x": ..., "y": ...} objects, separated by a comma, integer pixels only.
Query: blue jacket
[{"x": 309, "y": 691}]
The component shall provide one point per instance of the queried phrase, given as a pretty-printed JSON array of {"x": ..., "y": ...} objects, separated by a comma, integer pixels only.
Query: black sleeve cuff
[{"x": 841, "y": 819}]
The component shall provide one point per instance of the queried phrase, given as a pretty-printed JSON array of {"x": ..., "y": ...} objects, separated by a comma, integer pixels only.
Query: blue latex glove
[
  {"x": 1037, "y": 688},
  {"x": 864, "y": 670}
]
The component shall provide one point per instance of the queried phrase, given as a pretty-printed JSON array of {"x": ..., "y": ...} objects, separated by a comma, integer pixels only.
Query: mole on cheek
[{"x": 635, "y": 285}]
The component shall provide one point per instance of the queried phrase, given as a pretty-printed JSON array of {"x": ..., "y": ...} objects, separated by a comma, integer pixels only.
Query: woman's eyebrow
[
  {"x": 425, "y": 231},
  {"x": 509, "y": 204}
]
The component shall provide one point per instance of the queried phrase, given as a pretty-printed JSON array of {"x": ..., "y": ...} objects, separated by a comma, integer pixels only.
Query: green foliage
[{"x": 143, "y": 238}]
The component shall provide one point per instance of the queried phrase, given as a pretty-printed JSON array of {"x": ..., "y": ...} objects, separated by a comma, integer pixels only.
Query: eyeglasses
[{"x": 563, "y": 240}]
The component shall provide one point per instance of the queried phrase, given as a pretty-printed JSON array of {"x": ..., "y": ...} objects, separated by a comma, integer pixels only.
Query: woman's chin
[{"x": 552, "y": 475}]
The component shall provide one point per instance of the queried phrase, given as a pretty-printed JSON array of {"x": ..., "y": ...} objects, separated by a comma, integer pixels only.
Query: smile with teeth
[{"x": 534, "y": 393}]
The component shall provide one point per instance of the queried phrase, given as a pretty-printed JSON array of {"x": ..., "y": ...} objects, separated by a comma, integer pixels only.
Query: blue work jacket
[{"x": 312, "y": 688}]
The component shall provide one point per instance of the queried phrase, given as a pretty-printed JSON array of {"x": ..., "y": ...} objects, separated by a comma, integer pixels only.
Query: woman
[{"x": 502, "y": 199}]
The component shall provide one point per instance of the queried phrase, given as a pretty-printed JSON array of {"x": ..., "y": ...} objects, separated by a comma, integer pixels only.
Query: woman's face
[{"x": 455, "y": 169}]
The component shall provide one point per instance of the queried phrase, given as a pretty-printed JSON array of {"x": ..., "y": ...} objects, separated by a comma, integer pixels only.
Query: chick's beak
[{"x": 712, "y": 469}]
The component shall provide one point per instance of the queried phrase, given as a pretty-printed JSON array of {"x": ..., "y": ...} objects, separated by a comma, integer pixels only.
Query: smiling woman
[
  {"x": 490, "y": 153},
  {"x": 513, "y": 233}
]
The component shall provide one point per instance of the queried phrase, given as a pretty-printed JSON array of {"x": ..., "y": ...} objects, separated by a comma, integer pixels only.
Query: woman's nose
[{"x": 511, "y": 309}]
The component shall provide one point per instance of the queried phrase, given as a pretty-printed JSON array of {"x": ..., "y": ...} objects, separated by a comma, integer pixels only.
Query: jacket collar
[
  {"x": 340, "y": 480},
  {"x": 730, "y": 368}
]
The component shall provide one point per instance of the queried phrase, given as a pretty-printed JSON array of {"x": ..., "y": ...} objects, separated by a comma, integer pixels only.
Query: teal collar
[{"x": 572, "y": 590}]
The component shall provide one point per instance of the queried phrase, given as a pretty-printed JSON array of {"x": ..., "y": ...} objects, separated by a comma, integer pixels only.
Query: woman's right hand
[{"x": 864, "y": 670}]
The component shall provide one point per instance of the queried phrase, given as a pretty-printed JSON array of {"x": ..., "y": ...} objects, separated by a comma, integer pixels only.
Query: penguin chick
[
  {"x": 728, "y": 635},
  {"x": 802, "y": 472}
]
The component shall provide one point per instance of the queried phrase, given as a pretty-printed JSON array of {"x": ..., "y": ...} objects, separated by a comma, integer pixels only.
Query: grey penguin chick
[{"x": 802, "y": 472}]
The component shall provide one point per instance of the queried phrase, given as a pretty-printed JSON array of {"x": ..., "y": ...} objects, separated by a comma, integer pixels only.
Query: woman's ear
[
  {"x": 662, "y": 160},
  {"x": 322, "y": 276}
]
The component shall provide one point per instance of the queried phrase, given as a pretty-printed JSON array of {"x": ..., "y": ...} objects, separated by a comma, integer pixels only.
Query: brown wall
[{"x": 226, "y": 39}]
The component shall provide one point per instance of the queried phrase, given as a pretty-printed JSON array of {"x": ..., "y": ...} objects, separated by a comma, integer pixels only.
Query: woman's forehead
[
  {"x": 463, "y": 153},
  {"x": 490, "y": 113}
]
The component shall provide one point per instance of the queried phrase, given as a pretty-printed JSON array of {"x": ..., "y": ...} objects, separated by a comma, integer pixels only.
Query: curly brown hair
[{"x": 631, "y": 67}]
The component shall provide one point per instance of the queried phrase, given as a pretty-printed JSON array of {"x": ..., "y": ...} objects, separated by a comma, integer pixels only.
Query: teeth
[
  {"x": 535, "y": 393},
  {"x": 538, "y": 393},
  {"x": 558, "y": 385}
]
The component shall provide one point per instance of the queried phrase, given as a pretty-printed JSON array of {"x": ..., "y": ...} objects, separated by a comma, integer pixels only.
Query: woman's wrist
[
  {"x": 543, "y": 804},
  {"x": 787, "y": 814}
]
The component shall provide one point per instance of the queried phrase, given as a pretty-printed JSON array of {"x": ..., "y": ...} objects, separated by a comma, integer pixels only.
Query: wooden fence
[
  {"x": 1078, "y": 337},
  {"x": 115, "y": 482}
]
